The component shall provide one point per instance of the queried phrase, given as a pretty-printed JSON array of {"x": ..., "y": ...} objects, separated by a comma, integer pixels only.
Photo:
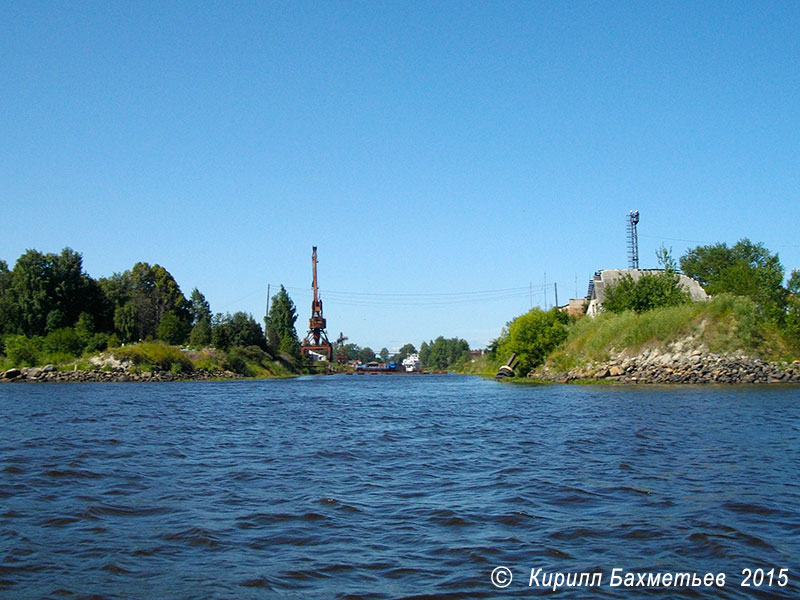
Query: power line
[
  {"x": 442, "y": 299},
  {"x": 707, "y": 243}
]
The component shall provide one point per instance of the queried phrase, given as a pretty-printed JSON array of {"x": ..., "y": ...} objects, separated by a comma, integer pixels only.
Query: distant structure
[
  {"x": 633, "y": 240},
  {"x": 341, "y": 356},
  {"x": 412, "y": 364},
  {"x": 607, "y": 278},
  {"x": 316, "y": 343}
]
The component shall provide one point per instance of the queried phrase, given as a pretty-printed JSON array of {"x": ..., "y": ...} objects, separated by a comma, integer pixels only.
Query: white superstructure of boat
[{"x": 412, "y": 364}]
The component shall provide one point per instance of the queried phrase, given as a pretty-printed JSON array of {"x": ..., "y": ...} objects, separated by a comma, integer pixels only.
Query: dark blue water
[{"x": 392, "y": 487}]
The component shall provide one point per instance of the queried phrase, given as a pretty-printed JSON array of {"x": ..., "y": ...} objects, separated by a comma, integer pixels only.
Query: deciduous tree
[
  {"x": 745, "y": 269},
  {"x": 532, "y": 337}
]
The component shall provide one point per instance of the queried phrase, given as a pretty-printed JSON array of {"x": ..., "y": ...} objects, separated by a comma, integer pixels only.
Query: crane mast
[{"x": 317, "y": 339}]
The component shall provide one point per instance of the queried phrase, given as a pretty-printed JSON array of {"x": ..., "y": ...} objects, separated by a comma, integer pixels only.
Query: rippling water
[{"x": 391, "y": 487}]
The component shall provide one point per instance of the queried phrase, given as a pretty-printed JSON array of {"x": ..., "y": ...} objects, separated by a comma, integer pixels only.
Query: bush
[
  {"x": 236, "y": 361},
  {"x": 64, "y": 342},
  {"x": 23, "y": 351},
  {"x": 532, "y": 337},
  {"x": 156, "y": 354},
  {"x": 650, "y": 291},
  {"x": 97, "y": 342},
  {"x": 177, "y": 368}
]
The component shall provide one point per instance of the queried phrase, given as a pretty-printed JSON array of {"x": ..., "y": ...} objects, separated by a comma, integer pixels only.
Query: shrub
[
  {"x": 157, "y": 354},
  {"x": 64, "y": 342},
  {"x": 236, "y": 361},
  {"x": 533, "y": 336},
  {"x": 648, "y": 292},
  {"x": 177, "y": 368},
  {"x": 23, "y": 351},
  {"x": 97, "y": 342}
]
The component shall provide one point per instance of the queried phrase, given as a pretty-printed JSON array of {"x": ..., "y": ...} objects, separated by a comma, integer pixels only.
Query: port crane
[{"x": 316, "y": 339}]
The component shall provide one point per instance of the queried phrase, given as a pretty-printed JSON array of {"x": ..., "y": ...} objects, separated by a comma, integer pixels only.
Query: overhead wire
[{"x": 442, "y": 299}]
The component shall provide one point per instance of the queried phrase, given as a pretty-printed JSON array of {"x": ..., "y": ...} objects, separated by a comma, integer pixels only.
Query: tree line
[{"x": 48, "y": 303}]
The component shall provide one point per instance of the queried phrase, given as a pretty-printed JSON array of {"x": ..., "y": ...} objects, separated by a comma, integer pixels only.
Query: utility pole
[{"x": 555, "y": 289}]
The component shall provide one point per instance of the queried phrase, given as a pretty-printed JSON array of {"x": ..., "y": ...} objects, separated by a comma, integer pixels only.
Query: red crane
[{"x": 316, "y": 340}]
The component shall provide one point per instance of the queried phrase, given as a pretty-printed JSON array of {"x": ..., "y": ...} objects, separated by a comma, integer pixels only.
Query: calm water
[{"x": 391, "y": 487}]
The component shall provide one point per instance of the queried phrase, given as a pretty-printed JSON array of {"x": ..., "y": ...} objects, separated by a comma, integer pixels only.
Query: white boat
[{"x": 412, "y": 364}]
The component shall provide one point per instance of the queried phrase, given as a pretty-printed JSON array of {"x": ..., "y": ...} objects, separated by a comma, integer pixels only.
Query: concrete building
[
  {"x": 602, "y": 280},
  {"x": 575, "y": 307}
]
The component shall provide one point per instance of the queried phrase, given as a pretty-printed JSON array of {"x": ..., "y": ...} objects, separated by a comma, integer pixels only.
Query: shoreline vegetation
[
  {"x": 650, "y": 331},
  {"x": 136, "y": 325},
  {"x": 58, "y": 324}
]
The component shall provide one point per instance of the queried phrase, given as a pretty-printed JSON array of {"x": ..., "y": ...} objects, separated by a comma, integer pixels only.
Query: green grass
[
  {"x": 150, "y": 355},
  {"x": 725, "y": 324}
]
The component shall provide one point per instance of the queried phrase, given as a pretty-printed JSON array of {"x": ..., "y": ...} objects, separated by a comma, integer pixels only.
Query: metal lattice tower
[{"x": 633, "y": 240}]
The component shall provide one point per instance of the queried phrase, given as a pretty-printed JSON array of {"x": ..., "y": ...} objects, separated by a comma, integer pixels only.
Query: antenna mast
[{"x": 633, "y": 240}]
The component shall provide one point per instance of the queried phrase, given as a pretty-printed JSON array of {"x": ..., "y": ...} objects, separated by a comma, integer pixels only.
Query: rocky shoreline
[
  {"x": 49, "y": 374},
  {"x": 669, "y": 367}
]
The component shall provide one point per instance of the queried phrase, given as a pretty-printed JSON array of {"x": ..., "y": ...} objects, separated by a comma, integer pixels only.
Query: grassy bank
[
  {"x": 725, "y": 324},
  {"x": 142, "y": 357}
]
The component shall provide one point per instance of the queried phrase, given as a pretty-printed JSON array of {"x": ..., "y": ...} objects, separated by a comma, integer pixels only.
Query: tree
[
  {"x": 84, "y": 327},
  {"x": 199, "y": 308},
  {"x": 237, "y": 330},
  {"x": 405, "y": 352},
  {"x": 746, "y": 269},
  {"x": 30, "y": 283},
  {"x": 155, "y": 292},
  {"x": 350, "y": 351},
  {"x": 651, "y": 290},
  {"x": 245, "y": 331},
  {"x": 281, "y": 334},
  {"x": 8, "y": 320},
  {"x": 424, "y": 353},
  {"x": 366, "y": 355},
  {"x": 220, "y": 332},
  {"x": 532, "y": 337},
  {"x": 384, "y": 354},
  {"x": 125, "y": 322},
  {"x": 172, "y": 330},
  {"x": 665, "y": 259},
  {"x": 49, "y": 291},
  {"x": 793, "y": 286},
  {"x": 201, "y": 334},
  {"x": 442, "y": 353}
]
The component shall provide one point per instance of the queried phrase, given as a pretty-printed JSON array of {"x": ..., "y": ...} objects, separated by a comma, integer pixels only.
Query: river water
[{"x": 394, "y": 487}]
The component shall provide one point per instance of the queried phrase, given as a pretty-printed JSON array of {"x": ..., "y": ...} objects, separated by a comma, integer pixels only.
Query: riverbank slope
[{"x": 724, "y": 340}]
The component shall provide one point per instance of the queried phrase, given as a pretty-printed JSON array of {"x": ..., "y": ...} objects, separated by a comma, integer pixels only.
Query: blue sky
[{"x": 447, "y": 159}]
